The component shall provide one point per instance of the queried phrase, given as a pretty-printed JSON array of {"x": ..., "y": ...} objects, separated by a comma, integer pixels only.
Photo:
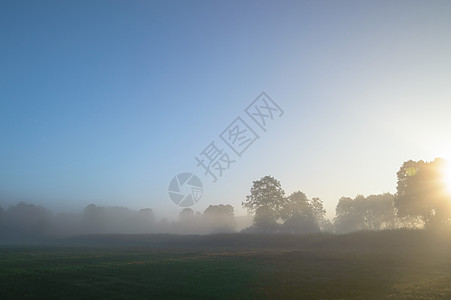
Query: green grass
[
  {"x": 122, "y": 273},
  {"x": 390, "y": 265}
]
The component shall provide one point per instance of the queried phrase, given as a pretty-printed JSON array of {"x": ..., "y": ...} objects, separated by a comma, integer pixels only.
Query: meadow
[{"x": 402, "y": 264}]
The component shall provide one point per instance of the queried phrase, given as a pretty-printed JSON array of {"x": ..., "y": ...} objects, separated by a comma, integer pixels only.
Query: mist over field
[
  {"x": 422, "y": 201},
  {"x": 241, "y": 149},
  {"x": 27, "y": 221}
]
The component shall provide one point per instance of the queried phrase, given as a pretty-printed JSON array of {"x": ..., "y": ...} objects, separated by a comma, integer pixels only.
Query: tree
[
  {"x": 266, "y": 192},
  {"x": 28, "y": 219},
  {"x": 144, "y": 220},
  {"x": 374, "y": 212},
  {"x": 299, "y": 215},
  {"x": 186, "y": 215},
  {"x": 266, "y": 200},
  {"x": 347, "y": 216},
  {"x": 296, "y": 204},
  {"x": 265, "y": 220},
  {"x": 220, "y": 218},
  {"x": 219, "y": 210},
  {"x": 189, "y": 222},
  {"x": 380, "y": 212},
  {"x": 320, "y": 214},
  {"x": 421, "y": 192}
]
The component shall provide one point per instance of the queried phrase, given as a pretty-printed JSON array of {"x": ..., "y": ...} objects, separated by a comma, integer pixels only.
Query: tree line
[
  {"x": 421, "y": 200},
  {"x": 25, "y": 220}
]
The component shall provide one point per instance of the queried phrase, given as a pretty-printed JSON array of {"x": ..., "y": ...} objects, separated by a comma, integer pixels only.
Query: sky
[{"x": 105, "y": 102}]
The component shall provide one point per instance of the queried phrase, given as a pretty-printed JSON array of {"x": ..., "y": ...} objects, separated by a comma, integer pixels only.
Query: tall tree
[
  {"x": 320, "y": 214},
  {"x": 266, "y": 199},
  {"x": 421, "y": 192},
  {"x": 266, "y": 192},
  {"x": 296, "y": 204}
]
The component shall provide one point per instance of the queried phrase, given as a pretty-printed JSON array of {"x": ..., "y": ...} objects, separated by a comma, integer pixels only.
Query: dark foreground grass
[
  {"x": 359, "y": 266},
  {"x": 123, "y": 273}
]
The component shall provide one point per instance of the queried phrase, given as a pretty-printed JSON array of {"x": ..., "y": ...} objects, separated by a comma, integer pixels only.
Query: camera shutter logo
[{"x": 185, "y": 189}]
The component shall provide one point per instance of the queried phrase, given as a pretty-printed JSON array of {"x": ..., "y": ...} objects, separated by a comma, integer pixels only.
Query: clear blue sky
[{"x": 105, "y": 101}]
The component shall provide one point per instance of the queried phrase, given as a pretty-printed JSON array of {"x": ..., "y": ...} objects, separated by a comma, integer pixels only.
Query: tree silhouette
[
  {"x": 374, "y": 212},
  {"x": 266, "y": 192},
  {"x": 299, "y": 215},
  {"x": 320, "y": 215},
  {"x": 265, "y": 220},
  {"x": 379, "y": 212},
  {"x": 421, "y": 192},
  {"x": 347, "y": 216},
  {"x": 266, "y": 200}
]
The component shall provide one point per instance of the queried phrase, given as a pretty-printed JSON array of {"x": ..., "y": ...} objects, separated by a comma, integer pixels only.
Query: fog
[
  {"x": 422, "y": 200},
  {"x": 24, "y": 221}
]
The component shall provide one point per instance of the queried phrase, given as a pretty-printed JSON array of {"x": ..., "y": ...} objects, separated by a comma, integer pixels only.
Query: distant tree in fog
[
  {"x": 186, "y": 215},
  {"x": 347, "y": 216},
  {"x": 380, "y": 212},
  {"x": 28, "y": 219},
  {"x": 99, "y": 219},
  {"x": 320, "y": 215},
  {"x": 299, "y": 215},
  {"x": 219, "y": 210},
  {"x": 189, "y": 222},
  {"x": 220, "y": 218},
  {"x": 374, "y": 212}
]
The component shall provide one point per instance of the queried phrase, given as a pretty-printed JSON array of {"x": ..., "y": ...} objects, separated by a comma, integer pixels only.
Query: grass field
[{"x": 368, "y": 265}]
